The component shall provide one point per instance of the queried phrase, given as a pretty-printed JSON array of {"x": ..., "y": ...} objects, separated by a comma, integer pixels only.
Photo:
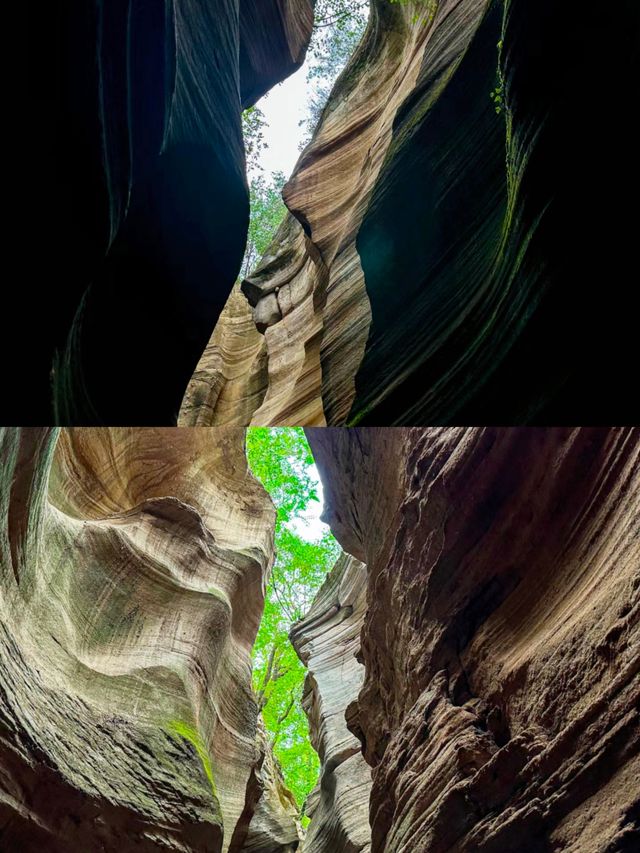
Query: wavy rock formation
[
  {"x": 434, "y": 267},
  {"x": 327, "y": 641},
  {"x": 133, "y": 571},
  {"x": 141, "y": 202},
  {"x": 499, "y": 709}
]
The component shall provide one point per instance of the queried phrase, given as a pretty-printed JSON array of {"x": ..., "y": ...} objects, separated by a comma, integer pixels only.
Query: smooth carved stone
[
  {"x": 231, "y": 379},
  {"x": 267, "y": 312},
  {"x": 276, "y": 376},
  {"x": 133, "y": 568},
  {"x": 327, "y": 641},
  {"x": 274, "y": 35},
  {"x": 499, "y": 709},
  {"x": 442, "y": 210}
]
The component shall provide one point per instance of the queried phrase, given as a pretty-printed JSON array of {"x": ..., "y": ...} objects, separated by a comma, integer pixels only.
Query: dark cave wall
[
  {"x": 496, "y": 247},
  {"x": 142, "y": 203}
]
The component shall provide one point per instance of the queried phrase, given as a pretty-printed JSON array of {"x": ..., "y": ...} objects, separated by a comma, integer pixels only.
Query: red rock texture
[{"x": 499, "y": 710}]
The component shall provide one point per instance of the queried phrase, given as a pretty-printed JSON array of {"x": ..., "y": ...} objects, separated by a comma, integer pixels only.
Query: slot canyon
[
  {"x": 458, "y": 246},
  {"x": 472, "y": 658}
]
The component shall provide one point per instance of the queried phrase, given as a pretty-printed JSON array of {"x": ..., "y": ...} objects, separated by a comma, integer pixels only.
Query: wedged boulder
[
  {"x": 133, "y": 565},
  {"x": 446, "y": 243},
  {"x": 499, "y": 709},
  {"x": 327, "y": 641},
  {"x": 140, "y": 210}
]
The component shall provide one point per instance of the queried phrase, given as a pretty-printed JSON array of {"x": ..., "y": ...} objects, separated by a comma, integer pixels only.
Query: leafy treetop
[{"x": 282, "y": 461}]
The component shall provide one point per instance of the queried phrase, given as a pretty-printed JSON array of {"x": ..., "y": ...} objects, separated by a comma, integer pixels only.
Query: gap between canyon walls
[{"x": 305, "y": 553}]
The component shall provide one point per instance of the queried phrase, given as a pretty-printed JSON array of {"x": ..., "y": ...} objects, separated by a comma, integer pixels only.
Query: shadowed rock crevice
[{"x": 142, "y": 201}]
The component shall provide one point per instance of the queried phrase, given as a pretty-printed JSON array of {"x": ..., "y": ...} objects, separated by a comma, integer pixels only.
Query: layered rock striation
[
  {"x": 140, "y": 207},
  {"x": 327, "y": 641},
  {"x": 434, "y": 265},
  {"x": 499, "y": 708},
  {"x": 133, "y": 566}
]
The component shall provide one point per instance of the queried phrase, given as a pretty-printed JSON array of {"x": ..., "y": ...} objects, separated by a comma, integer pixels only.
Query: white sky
[
  {"x": 284, "y": 106},
  {"x": 308, "y": 525}
]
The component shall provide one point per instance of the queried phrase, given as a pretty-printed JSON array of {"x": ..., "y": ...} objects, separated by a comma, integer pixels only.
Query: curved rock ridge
[
  {"x": 499, "y": 709},
  {"x": 432, "y": 268},
  {"x": 134, "y": 564},
  {"x": 327, "y": 641},
  {"x": 142, "y": 201}
]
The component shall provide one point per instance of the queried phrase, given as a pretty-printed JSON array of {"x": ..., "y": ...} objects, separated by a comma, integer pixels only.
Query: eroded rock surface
[
  {"x": 138, "y": 214},
  {"x": 133, "y": 571},
  {"x": 327, "y": 641},
  {"x": 434, "y": 267},
  {"x": 274, "y": 826},
  {"x": 499, "y": 709}
]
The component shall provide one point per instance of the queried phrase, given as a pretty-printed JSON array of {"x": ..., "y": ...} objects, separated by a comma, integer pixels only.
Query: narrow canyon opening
[
  {"x": 281, "y": 124},
  {"x": 305, "y": 553}
]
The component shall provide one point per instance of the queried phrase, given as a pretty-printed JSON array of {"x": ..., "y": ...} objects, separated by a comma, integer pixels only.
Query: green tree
[
  {"x": 267, "y": 211},
  {"x": 338, "y": 28},
  {"x": 282, "y": 461},
  {"x": 253, "y": 124}
]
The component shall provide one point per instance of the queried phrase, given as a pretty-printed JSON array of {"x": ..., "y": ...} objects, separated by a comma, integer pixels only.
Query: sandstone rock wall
[
  {"x": 499, "y": 709},
  {"x": 133, "y": 566},
  {"x": 138, "y": 202},
  {"x": 327, "y": 641},
  {"x": 443, "y": 256}
]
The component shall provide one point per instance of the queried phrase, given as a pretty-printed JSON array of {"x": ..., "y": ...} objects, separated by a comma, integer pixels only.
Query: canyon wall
[
  {"x": 473, "y": 669},
  {"x": 451, "y": 222},
  {"x": 138, "y": 200},
  {"x": 327, "y": 641},
  {"x": 134, "y": 565},
  {"x": 499, "y": 708}
]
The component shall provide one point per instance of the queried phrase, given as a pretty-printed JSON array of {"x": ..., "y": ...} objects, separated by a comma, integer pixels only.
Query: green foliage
[
  {"x": 267, "y": 211},
  {"x": 282, "y": 460},
  {"x": 181, "y": 729},
  {"x": 253, "y": 124},
  {"x": 338, "y": 27},
  {"x": 497, "y": 94},
  {"x": 265, "y": 193}
]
